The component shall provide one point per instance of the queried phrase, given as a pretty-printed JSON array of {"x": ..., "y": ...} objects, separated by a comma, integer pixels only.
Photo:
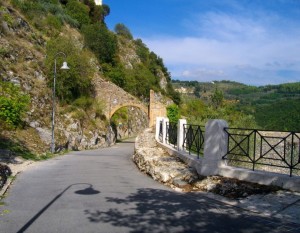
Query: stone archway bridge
[{"x": 115, "y": 98}]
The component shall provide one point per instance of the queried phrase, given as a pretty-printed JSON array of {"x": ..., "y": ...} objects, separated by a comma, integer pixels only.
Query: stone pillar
[
  {"x": 165, "y": 121},
  {"x": 157, "y": 127},
  {"x": 156, "y": 108},
  {"x": 180, "y": 131},
  {"x": 215, "y": 147}
]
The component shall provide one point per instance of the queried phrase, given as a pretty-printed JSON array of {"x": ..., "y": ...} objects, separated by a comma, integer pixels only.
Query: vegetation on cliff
[
  {"x": 125, "y": 61},
  {"x": 32, "y": 33}
]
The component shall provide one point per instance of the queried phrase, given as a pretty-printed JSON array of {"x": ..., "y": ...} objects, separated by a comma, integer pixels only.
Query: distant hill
[{"x": 275, "y": 107}]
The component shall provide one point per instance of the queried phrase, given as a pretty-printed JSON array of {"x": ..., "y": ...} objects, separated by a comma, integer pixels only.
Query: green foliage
[
  {"x": 75, "y": 82},
  {"x": 122, "y": 30},
  {"x": 78, "y": 11},
  {"x": 53, "y": 22},
  {"x": 68, "y": 19},
  {"x": 30, "y": 7},
  {"x": 173, "y": 113},
  {"x": 139, "y": 81},
  {"x": 193, "y": 108},
  {"x": 84, "y": 102},
  {"x": 116, "y": 74},
  {"x": 4, "y": 15},
  {"x": 273, "y": 107},
  {"x": 282, "y": 115},
  {"x": 174, "y": 95},
  {"x": 245, "y": 90},
  {"x": 97, "y": 13},
  {"x": 36, "y": 10},
  {"x": 199, "y": 113},
  {"x": 13, "y": 105},
  {"x": 51, "y": 25},
  {"x": 17, "y": 148},
  {"x": 217, "y": 98},
  {"x": 142, "y": 51},
  {"x": 197, "y": 91},
  {"x": 101, "y": 41},
  {"x": 120, "y": 116}
]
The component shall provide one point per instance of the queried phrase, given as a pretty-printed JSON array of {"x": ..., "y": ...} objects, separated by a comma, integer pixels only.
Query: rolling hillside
[{"x": 275, "y": 107}]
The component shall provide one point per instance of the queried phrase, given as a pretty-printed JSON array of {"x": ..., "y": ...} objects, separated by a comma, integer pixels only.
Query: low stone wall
[{"x": 160, "y": 165}]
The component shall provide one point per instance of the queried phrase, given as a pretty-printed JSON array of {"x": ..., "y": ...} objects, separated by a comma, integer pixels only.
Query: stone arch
[
  {"x": 117, "y": 107},
  {"x": 115, "y": 98}
]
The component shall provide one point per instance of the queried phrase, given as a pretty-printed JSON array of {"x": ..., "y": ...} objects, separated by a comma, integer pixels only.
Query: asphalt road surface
[{"x": 103, "y": 191}]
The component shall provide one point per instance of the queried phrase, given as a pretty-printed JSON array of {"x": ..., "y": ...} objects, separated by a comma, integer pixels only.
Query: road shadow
[
  {"x": 160, "y": 211},
  {"x": 89, "y": 190}
]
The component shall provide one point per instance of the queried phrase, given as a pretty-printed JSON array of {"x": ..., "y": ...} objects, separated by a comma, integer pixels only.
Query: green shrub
[
  {"x": 13, "y": 105},
  {"x": 173, "y": 113},
  {"x": 101, "y": 41},
  {"x": 78, "y": 11},
  {"x": 68, "y": 19},
  {"x": 84, "y": 102},
  {"x": 122, "y": 30}
]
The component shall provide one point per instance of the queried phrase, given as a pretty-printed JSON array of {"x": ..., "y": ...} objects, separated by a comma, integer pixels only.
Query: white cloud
[{"x": 250, "y": 50}]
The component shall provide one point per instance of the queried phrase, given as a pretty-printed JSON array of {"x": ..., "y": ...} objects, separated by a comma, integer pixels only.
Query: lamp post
[
  {"x": 64, "y": 67},
  {"x": 110, "y": 128}
]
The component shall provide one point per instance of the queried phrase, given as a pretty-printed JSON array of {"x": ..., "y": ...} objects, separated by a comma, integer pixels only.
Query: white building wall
[{"x": 98, "y": 2}]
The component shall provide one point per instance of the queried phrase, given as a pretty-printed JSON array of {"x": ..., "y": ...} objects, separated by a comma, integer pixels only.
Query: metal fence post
[{"x": 180, "y": 136}]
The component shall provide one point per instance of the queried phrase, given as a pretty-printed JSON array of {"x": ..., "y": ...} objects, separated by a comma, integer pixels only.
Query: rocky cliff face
[{"x": 22, "y": 57}]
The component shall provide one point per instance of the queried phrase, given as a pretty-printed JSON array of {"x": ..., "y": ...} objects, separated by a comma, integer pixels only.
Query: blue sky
[{"x": 256, "y": 42}]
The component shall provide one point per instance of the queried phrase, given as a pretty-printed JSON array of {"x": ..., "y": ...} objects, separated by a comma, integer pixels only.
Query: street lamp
[
  {"x": 64, "y": 67},
  {"x": 115, "y": 101}
]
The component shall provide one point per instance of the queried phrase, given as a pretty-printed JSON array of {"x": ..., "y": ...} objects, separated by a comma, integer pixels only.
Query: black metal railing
[
  {"x": 171, "y": 133},
  {"x": 160, "y": 134},
  {"x": 193, "y": 140},
  {"x": 264, "y": 150}
]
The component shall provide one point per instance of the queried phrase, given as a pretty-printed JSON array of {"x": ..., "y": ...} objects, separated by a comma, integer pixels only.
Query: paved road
[{"x": 102, "y": 191}]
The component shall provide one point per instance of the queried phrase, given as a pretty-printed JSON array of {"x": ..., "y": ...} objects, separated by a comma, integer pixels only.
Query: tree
[
  {"x": 122, "y": 30},
  {"x": 101, "y": 41},
  {"x": 173, "y": 113},
  {"x": 217, "y": 98},
  {"x": 97, "y": 13}
]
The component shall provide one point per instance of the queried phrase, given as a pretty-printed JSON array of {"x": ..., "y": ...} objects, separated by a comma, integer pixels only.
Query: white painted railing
[{"x": 215, "y": 147}]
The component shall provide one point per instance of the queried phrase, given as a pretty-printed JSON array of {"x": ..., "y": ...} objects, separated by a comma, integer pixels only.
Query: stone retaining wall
[{"x": 160, "y": 165}]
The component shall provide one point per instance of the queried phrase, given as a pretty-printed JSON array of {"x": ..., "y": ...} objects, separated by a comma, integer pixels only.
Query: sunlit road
[{"x": 102, "y": 191}]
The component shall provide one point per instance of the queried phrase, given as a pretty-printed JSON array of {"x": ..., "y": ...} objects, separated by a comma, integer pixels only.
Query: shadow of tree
[
  {"x": 10, "y": 149},
  {"x": 152, "y": 210}
]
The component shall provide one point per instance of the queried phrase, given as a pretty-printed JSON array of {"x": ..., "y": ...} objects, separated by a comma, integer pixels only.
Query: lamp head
[{"x": 65, "y": 66}]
